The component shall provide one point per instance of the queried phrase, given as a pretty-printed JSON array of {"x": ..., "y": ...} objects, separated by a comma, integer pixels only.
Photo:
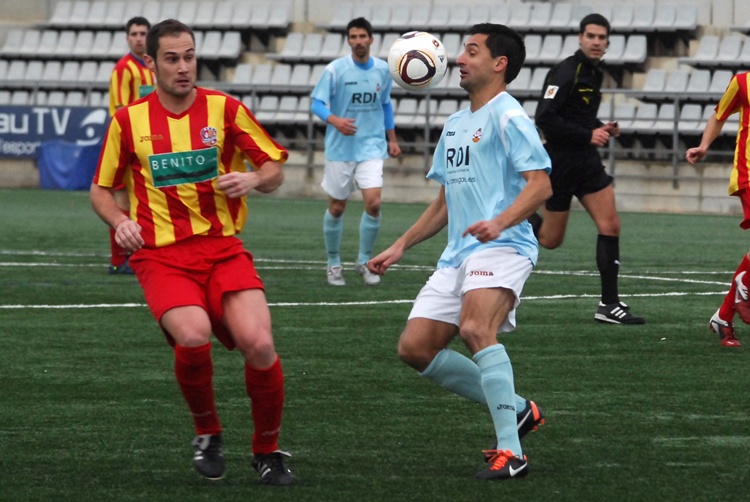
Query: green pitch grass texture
[{"x": 89, "y": 409}]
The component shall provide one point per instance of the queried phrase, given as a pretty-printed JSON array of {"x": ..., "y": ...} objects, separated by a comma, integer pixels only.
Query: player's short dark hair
[
  {"x": 596, "y": 19},
  {"x": 359, "y": 22},
  {"x": 168, "y": 27},
  {"x": 136, "y": 21},
  {"x": 503, "y": 41}
]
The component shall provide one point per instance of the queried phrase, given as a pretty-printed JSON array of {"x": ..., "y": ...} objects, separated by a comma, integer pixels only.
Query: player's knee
[
  {"x": 550, "y": 242},
  {"x": 258, "y": 353},
  {"x": 414, "y": 355}
]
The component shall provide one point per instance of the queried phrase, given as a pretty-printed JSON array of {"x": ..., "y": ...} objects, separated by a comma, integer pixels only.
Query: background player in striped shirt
[
  {"x": 736, "y": 99},
  {"x": 354, "y": 97},
  {"x": 181, "y": 153},
  {"x": 131, "y": 79}
]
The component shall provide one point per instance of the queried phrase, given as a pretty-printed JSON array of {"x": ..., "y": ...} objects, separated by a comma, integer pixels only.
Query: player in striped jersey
[
  {"x": 736, "y": 99},
  {"x": 181, "y": 152},
  {"x": 131, "y": 79}
]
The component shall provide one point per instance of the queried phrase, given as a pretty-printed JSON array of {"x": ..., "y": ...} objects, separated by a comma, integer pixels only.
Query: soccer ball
[{"x": 417, "y": 61}]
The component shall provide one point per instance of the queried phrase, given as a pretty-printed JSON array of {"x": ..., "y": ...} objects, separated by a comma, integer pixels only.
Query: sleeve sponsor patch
[{"x": 551, "y": 92}]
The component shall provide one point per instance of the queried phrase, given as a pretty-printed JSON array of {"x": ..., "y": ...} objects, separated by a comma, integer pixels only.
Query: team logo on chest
[
  {"x": 209, "y": 136},
  {"x": 477, "y": 136}
]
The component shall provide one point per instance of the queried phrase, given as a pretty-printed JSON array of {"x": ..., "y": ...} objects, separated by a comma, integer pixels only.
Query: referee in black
[{"x": 567, "y": 116}]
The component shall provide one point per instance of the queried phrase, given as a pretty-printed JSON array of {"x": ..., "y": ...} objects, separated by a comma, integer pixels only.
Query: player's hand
[
  {"x": 393, "y": 149},
  {"x": 693, "y": 155},
  {"x": 483, "y": 231},
  {"x": 236, "y": 185},
  {"x": 343, "y": 125},
  {"x": 613, "y": 128},
  {"x": 128, "y": 235},
  {"x": 600, "y": 136},
  {"x": 381, "y": 262}
]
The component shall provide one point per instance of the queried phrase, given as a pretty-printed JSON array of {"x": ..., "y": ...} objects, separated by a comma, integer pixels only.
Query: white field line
[{"x": 275, "y": 264}]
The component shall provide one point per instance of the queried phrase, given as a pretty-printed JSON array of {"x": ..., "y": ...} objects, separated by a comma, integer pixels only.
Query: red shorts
[
  {"x": 744, "y": 196},
  {"x": 197, "y": 271}
]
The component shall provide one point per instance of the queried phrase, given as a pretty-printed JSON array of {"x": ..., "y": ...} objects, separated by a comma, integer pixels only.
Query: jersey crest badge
[
  {"x": 477, "y": 136},
  {"x": 377, "y": 88},
  {"x": 551, "y": 92},
  {"x": 209, "y": 136}
]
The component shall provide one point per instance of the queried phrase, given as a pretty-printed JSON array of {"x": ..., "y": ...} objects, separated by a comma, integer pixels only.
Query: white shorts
[
  {"x": 340, "y": 179},
  {"x": 441, "y": 297}
]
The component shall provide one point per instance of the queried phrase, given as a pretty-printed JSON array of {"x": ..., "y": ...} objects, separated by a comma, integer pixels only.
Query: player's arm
[
  {"x": 433, "y": 219},
  {"x": 538, "y": 189},
  {"x": 394, "y": 150},
  {"x": 557, "y": 87},
  {"x": 127, "y": 231},
  {"x": 710, "y": 133},
  {"x": 265, "y": 179},
  {"x": 343, "y": 125}
]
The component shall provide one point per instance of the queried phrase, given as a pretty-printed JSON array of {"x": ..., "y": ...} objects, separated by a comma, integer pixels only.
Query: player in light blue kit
[
  {"x": 494, "y": 173},
  {"x": 354, "y": 97}
]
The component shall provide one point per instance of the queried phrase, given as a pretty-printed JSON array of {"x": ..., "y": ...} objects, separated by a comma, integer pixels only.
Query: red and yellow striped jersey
[
  {"x": 131, "y": 80},
  {"x": 736, "y": 99},
  {"x": 170, "y": 164}
]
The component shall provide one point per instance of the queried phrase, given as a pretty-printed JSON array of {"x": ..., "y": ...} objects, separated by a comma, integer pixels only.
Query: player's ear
[{"x": 150, "y": 62}]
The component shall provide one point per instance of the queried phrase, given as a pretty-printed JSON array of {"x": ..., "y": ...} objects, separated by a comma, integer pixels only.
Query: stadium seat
[
  {"x": 616, "y": 51},
  {"x": 69, "y": 73},
  {"x": 385, "y": 46},
  {"x": 312, "y": 46},
  {"x": 20, "y": 98},
  {"x": 342, "y": 14},
  {"x": 39, "y": 98},
  {"x": 581, "y": 10},
  {"x": 293, "y": 44},
  {"x": 300, "y": 75},
  {"x": 151, "y": 10},
  {"x": 56, "y": 98},
  {"x": 691, "y": 119},
  {"x": 279, "y": 18},
  {"x": 223, "y": 15},
  {"x": 377, "y": 40},
  {"x": 260, "y": 15},
  {"x": 262, "y": 74},
  {"x": 231, "y": 45},
  {"x": 537, "y": 80},
  {"x": 16, "y": 71},
  {"x": 656, "y": 80},
  {"x": 187, "y": 12},
  {"x": 47, "y": 44},
  {"x": 241, "y": 14},
  {"x": 102, "y": 43},
  {"x": 381, "y": 18},
  {"x": 400, "y": 17},
  {"x": 87, "y": 73},
  {"x": 479, "y": 11},
  {"x": 209, "y": 48},
  {"x": 61, "y": 15},
  {"x": 439, "y": 17},
  {"x": 521, "y": 83},
  {"x": 698, "y": 84},
  {"x": 169, "y": 10},
  {"x": 84, "y": 44},
  {"x": 30, "y": 44},
  {"x": 65, "y": 44},
  {"x": 624, "y": 114},
  {"x": 560, "y": 18},
  {"x": 332, "y": 47},
  {"x": 13, "y": 41},
  {"x": 644, "y": 118},
  {"x": 75, "y": 98},
  {"x": 729, "y": 51},
  {"x": 719, "y": 81},
  {"x": 460, "y": 17},
  {"x": 96, "y": 99},
  {"x": 533, "y": 47},
  {"x": 549, "y": 53},
  {"x": 5, "y": 97},
  {"x": 135, "y": 8},
  {"x": 267, "y": 107},
  {"x": 33, "y": 74},
  {"x": 499, "y": 13},
  {"x": 665, "y": 120},
  {"x": 97, "y": 14},
  {"x": 315, "y": 73},
  {"x": 622, "y": 17},
  {"x": 636, "y": 50},
  {"x": 664, "y": 18},
  {"x": 198, "y": 35},
  {"x": 520, "y": 15},
  {"x": 3, "y": 69},
  {"x": 686, "y": 17},
  {"x": 420, "y": 117},
  {"x": 303, "y": 113},
  {"x": 420, "y": 17},
  {"x": 405, "y": 111},
  {"x": 243, "y": 74},
  {"x": 114, "y": 17},
  {"x": 676, "y": 83},
  {"x": 570, "y": 46},
  {"x": 452, "y": 45},
  {"x": 708, "y": 49},
  {"x": 539, "y": 16},
  {"x": 104, "y": 72},
  {"x": 287, "y": 111},
  {"x": 281, "y": 76},
  {"x": 529, "y": 107},
  {"x": 445, "y": 108},
  {"x": 643, "y": 18},
  {"x": 744, "y": 57},
  {"x": 79, "y": 15}
]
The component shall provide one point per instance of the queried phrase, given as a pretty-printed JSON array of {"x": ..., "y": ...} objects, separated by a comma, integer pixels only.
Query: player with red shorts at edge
[
  {"x": 131, "y": 79},
  {"x": 180, "y": 152},
  {"x": 736, "y": 99}
]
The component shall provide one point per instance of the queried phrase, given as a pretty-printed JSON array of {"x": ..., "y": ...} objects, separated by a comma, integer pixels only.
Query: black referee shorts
[{"x": 575, "y": 173}]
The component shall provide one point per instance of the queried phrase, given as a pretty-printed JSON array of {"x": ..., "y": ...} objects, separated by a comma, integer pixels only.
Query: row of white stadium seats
[
  {"x": 549, "y": 49},
  {"x": 31, "y": 74},
  {"x": 68, "y": 44},
  {"x": 690, "y": 85},
  {"x": 54, "y": 98},
  {"x": 528, "y": 16},
  {"x": 732, "y": 51},
  {"x": 204, "y": 14}
]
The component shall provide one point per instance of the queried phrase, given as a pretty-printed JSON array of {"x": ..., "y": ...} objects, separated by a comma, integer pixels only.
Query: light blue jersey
[
  {"x": 350, "y": 91},
  {"x": 479, "y": 159}
]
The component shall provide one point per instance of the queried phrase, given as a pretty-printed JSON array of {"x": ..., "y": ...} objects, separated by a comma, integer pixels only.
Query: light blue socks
[
  {"x": 333, "y": 228},
  {"x": 369, "y": 227},
  {"x": 497, "y": 384}
]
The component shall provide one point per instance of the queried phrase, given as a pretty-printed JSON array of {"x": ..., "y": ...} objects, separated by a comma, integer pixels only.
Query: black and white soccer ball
[{"x": 417, "y": 61}]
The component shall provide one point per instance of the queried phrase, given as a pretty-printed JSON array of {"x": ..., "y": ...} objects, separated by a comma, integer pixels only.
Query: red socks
[
  {"x": 194, "y": 371},
  {"x": 266, "y": 391},
  {"x": 727, "y": 309}
]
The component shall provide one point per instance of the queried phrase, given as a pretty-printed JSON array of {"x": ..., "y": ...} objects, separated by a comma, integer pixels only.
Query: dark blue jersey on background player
[
  {"x": 354, "y": 97},
  {"x": 567, "y": 115}
]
